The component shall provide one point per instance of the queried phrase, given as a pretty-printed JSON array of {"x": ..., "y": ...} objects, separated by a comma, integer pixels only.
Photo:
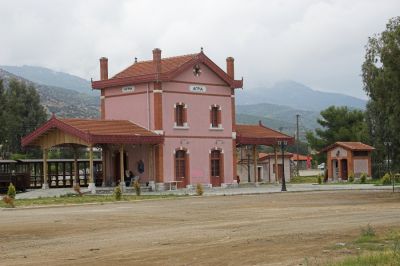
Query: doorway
[{"x": 343, "y": 170}]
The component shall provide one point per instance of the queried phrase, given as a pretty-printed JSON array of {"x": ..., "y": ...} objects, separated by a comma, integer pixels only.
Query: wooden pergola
[
  {"x": 254, "y": 135},
  {"x": 76, "y": 133}
]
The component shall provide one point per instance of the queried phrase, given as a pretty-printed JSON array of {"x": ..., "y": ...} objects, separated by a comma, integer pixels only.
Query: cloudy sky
[{"x": 315, "y": 42}]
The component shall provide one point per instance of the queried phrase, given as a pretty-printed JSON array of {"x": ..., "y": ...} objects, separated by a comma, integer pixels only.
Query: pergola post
[
  {"x": 121, "y": 167},
  {"x": 91, "y": 184},
  {"x": 255, "y": 161},
  {"x": 76, "y": 170},
  {"x": 276, "y": 165},
  {"x": 45, "y": 184}
]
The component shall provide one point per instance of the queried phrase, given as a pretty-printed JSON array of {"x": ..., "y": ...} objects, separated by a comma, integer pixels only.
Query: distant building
[{"x": 348, "y": 158}]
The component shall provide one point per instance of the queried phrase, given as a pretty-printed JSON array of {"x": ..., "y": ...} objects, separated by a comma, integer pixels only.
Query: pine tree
[{"x": 23, "y": 113}]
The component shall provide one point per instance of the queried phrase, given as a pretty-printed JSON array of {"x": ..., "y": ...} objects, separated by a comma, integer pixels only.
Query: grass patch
[
  {"x": 75, "y": 199},
  {"x": 371, "y": 249},
  {"x": 304, "y": 179}
]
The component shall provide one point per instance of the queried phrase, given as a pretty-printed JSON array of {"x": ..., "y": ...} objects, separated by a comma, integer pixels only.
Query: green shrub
[
  {"x": 386, "y": 180},
  {"x": 199, "y": 190},
  {"x": 117, "y": 193},
  {"x": 368, "y": 231},
  {"x": 319, "y": 179},
  {"x": 11, "y": 192},
  {"x": 363, "y": 178},
  {"x": 136, "y": 186},
  {"x": 351, "y": 179}
]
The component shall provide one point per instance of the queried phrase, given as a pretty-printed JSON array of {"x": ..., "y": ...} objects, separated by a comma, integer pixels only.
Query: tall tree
[
  {"x": 24, "y": 113},
  {"x": 381, "y": 79},
  {"x": 338, "y": 124},
  {"x": 2, "y": 118}
]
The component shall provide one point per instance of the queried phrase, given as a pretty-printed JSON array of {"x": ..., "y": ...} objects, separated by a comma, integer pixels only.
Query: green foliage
[
  {"x": 20, "y": 114},
  {"x": 386, "y": 180},
  {"x": 338, "y": 124},
  {"x": 303, "y": 179},
  {"x": 319, "y": 179},
  {"x": 363, "y": 178},
  {"x": 136, "y": 186},
  {"x": 199, "y": 189},
  {"x": 368, "y": 231},
  {"x": 11, "y": 192},
  {"x": 117, "y": 193},
  {"x": 381, "y": 72},
  {"x": 351, "y": 179}
]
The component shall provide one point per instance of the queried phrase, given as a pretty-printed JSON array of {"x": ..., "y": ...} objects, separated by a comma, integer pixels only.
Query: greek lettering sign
[
  {"x": 128, "y": 89},
  {"x": 197, "y": 88}
]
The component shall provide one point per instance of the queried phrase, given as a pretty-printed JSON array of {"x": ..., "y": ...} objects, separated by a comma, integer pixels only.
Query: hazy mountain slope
[
  {"x": 62, "y": 102},
  {"x": 280, "y": 113},
  {"x": 297, "y": 96},
  {"x": 268, "y": 122},
  {"x": 51, "y": 78}
]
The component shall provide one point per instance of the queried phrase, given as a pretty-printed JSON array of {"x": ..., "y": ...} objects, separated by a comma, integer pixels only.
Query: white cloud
[{"x": 319, "y": 43}]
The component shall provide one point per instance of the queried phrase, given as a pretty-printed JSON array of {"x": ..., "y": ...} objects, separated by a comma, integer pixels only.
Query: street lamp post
[
  {"x": 248, "y": 163},
  {"x": 283, "y": 144},
  {"x": 388, "y": 144}
]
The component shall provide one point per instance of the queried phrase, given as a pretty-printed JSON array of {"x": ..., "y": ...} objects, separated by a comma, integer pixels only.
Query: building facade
[{"x": 165, "y": 121}]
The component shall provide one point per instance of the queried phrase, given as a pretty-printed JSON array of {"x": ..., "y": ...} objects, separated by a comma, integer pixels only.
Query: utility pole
[{"x": 297, "y": 143}]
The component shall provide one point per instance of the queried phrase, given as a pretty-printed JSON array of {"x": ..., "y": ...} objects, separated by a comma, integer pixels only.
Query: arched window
[
  {"x": 215, "y": 116},
  {"x": 180, "y": 115},
  {"x": 215, "y": 163},
  {"x": 180, "y": 163}
]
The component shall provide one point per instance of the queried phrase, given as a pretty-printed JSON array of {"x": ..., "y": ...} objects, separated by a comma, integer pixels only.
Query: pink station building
[{"x": 165, "y": 120}]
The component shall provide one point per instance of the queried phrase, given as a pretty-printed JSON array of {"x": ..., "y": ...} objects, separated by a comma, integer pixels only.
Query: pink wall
[
  {"x": 198, "y": 158},
  {"x": 134, "y": 107},
  {"x": 129, "y": 106}
]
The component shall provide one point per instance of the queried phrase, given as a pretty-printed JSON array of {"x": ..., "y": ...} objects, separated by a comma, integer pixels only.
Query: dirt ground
[{"x": 269, "y": 229}]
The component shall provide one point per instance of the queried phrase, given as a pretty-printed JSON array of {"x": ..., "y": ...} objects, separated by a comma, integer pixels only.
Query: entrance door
[
  {"x": 117, "y": 168},
  {"x": 181, "y": 168},
  {"x": 344, "y": 169},
  {"x": 280, "y": 172},
  {"x": 216, "y": 168},
  {"x": 259, "y": 173}
]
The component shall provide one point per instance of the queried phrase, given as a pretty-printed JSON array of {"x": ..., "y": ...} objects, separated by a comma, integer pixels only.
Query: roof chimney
[
  {"x": 230, "y": 67},
  {"x": 103, "y": 68},
  {"x": 157, "y": 60}
]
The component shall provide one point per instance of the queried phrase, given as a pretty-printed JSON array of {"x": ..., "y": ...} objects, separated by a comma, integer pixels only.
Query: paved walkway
[{"x": 270, "y": 188}]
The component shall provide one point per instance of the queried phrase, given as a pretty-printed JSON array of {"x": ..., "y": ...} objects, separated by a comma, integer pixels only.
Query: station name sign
[
  {"x": 128, "y": 89},
  {"x": 197, "y": 88}
]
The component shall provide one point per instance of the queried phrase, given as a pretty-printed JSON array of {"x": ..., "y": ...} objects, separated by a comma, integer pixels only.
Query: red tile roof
[
  {"x": 147, "y": 67},
  {"x": 260, "y": 135},
  {"x": 145, "y": 71},
  {"x": 96, "y": 131},
  {"x": 107, "y": 127},
  {"x": 350, "y": 145}
]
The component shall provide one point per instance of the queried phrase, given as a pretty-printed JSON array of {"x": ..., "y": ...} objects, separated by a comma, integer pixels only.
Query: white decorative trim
[
  {"x": 216, "y": 128},
  {"x": 159, "y": 132},
  {"x": 233, "y": 135},
  {"x": 185, "y": 127},
  {"x": 102, "y": 97},
  {"x": 232, "y": 96},
  {"x": 157, "y": 91}
]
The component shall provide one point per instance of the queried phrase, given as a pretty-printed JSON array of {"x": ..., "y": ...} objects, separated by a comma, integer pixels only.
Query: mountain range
[
  {"x": 60, "y": 101},
  {"x": 276, "y": 107},
  {"x": 298, "y": 96}
]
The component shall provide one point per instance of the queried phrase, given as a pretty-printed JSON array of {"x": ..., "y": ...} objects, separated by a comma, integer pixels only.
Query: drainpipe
[{"x": 148, "y": 107}]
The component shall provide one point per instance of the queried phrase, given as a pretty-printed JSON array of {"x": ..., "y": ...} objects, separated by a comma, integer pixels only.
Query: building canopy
[
  {"x": 89, "y": 132},
  {"x": 260, "y": 135}
]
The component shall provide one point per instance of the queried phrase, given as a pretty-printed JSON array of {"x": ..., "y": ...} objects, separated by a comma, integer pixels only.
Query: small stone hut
[{"x": 348, "y": 158}]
